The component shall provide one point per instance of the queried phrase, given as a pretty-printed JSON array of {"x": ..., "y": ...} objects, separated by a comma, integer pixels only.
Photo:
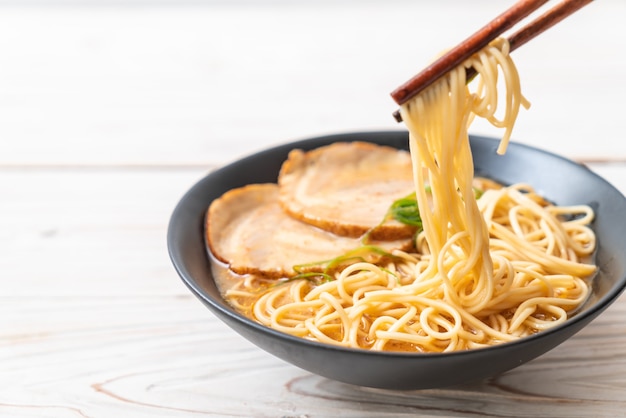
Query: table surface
[{"x": 110, "y": 111}]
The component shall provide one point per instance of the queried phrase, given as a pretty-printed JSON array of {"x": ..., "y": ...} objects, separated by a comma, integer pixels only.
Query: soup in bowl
[{"x": 559, "y": 180}]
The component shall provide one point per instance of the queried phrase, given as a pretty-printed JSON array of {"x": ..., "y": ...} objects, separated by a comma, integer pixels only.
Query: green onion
[{"x": 405, "y": 210}]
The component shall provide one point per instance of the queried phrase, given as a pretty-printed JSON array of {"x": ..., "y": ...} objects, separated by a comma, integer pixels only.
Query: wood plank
[
  {"x": 206, "y": 84},
  {"x": 89, "y": 232},
  {"x": 170, "y": 356},
  {"x": 94, "y": 322}
]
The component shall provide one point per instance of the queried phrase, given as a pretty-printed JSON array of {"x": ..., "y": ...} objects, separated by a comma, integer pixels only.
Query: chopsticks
[{"x": 482, "y": 37}]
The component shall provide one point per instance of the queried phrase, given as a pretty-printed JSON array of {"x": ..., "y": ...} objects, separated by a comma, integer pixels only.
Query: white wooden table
[{"x": 110, "y": 111}]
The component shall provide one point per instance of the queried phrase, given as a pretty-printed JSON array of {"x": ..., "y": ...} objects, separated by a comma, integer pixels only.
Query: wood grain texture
[
  {"x": 122, "y": 84},
  {"x": 110, "y": 113},
  {"x": 95, "y": 322}
]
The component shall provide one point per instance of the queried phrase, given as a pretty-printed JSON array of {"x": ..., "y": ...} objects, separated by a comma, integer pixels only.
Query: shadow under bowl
[{"x": 558, "y": 179}]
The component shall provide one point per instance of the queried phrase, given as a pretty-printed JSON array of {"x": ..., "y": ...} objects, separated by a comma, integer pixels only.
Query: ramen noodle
[{"x": 487, "y": 268}]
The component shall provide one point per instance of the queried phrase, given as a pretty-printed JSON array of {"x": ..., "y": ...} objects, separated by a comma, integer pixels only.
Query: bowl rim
[{"x": 223, "y": 308}]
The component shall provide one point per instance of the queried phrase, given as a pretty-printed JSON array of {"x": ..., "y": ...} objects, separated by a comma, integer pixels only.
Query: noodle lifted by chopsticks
[{"x": 487, "y": 271}]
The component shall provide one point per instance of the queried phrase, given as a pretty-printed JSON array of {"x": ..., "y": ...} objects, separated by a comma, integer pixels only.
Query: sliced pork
[
  {"x": 347, "y": 188},
  {"x": 248, "y": 230}
]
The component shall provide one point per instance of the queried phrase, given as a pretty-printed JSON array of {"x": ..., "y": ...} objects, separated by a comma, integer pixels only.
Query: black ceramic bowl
[{"x": 560, "y": 180}]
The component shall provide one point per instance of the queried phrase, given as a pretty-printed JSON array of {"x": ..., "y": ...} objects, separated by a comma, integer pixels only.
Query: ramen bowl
[{"x": 562, "y": 181}]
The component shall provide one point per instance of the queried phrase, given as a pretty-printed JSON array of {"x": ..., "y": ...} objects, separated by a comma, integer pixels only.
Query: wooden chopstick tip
[{"x": 475, "y": 42}]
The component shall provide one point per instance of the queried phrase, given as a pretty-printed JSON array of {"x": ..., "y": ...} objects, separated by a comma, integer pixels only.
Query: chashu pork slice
[
  {"x": 247, "y": 229},
  {"x": 347, "y": 188}
]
